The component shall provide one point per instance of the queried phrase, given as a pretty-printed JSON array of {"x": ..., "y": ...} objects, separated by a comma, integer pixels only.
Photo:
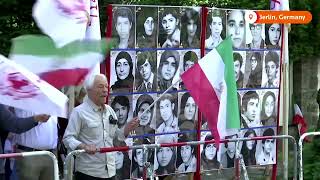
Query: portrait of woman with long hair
[
  {"x": 209, "y": 155},
  {"x": 191, "y": 28},
  {"x": 268, "y": 109},
  {"x": 248, "y": 149}
]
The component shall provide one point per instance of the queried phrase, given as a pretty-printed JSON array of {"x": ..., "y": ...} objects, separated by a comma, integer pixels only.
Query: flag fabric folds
[
  {"x": 299, "y": 120},
  {"x": 212, "y": 84},
  {"x": 64, "y": 21},
  {"x": 22, "y": 89},
  {"x": 65, "y": 66}
]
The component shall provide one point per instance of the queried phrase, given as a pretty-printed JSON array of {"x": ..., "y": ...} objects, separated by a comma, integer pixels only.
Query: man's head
[
  {"x": 271, "y": 65},
  {"x": 250, "y": 105},
  {"x": 123, "y": 22},
  {"x": 267, "y": 144},
  {"x": 216, "y": 23},
  {"x": 237, "y": 62},
  {"x": 169, "y": 63},
  {"x": 121, "y": 106},
  {"x": 97, "y": 88},
  {"x": 256, "y": 31},
  {"x": 166, "y": 105},
  {"x": 145, "y": 64},
  {"x": 170, "y": 21},
  {"x": 187, "y": 151},
  {"x": 189, "y": 58},
  {"x": 236, "y": 27},
  {"x": 143, "y": 102}
]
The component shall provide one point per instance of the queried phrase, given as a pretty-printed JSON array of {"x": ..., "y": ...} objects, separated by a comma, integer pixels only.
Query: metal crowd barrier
[
  {"x": 36, "y": 153},
  {"x": 68, "y": 169},
  {"x": 300, "y": 151}
]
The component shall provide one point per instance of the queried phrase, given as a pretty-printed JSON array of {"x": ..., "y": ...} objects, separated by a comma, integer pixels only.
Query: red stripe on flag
[
  {"x": 65, "y": 77},
  {"x": 205, "y": 97}
]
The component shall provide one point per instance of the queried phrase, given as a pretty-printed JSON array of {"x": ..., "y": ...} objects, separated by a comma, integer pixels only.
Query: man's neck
[{"x": 169, "y": 121}]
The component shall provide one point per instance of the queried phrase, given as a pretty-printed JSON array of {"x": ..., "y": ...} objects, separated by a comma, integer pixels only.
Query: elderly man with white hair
[{"x": 93, "y": 125}]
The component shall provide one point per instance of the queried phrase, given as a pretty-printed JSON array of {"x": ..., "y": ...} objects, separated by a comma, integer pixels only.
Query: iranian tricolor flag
[
  {"x": 212, "y": 84},
  {"x": 65, "y": 66}
]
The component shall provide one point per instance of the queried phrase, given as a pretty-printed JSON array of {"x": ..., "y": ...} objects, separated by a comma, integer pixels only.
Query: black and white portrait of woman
[
  {"x": 165, "y": 159},
  {"x": 209, "y": 154},
  {"x": 122, "y": 161},
  {"x": 269, "y": 109},
  {"x": 273, "y": 34},
  {"x": 215, "y": 28},
  {"x": 169, "y": 27},
  {"x": 249, "y": 148},
  {"x": 122, "y": 73},
  {"x": 190, "y": 27},
  {"x": 168, "y": 69},
  {"x": 188, "y": 112},
  {"x": 147, "y": 119},
  {"x": 147, "y": 25},
  {"x": 124, "y": 26}
]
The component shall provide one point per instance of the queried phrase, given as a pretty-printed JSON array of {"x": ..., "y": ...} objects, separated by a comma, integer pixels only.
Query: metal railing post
[
  {"x": 36, "y": 153},
  {"x": 68, "y": 168},
  {"x": 300, "y": 151}
]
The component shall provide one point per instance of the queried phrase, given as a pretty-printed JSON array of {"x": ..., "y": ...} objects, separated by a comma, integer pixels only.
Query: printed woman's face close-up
[
  {"x": 269, "y": 106},
  {"x": 254, "y": 63},
  {"x": 236, "y": 27},
  {"x": 166, "y": 109},
  {"x": 139, "y": 157},
  {"x": 190, "y": 109},
  {"x": 123, "y": 69},
  {"x": 216, "y": 27},
  {"x": 250, "y": 144},
  {"x": 274, "y": 34},
  {"x": 188, "y": 64},
  {"x": 268, "y": 145},
  {"x": 119, "y": 160},
  {"x": 146, "y": 117},
  {"x": 168, "y": 68},
  {"x": 148, "y": 26},
  {"x": 164, "y": 156},
  {"x": 210, "y": 151},
  {"x": 191, "y": 28},
  {"x": 169, "y": 23},
  {"x": 186, "y": 153},
  {"x": 271, "y": 70},
  {"x": 123, "y": 27}
]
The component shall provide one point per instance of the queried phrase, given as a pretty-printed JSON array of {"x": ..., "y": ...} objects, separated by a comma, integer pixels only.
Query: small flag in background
[
  {"x": 66, "y": 66},
  {"x": 299, "y": 120},
  {"x": 22, "y": 89},
  {"x": 212, "y": 84}
]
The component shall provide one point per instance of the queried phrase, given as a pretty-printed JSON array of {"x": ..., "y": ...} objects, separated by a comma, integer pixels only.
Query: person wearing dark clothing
[{"x": 10, "y": 123}]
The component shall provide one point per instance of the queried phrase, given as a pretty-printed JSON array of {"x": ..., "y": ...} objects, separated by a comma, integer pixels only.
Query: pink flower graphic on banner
[
  {"x": 16, "y": 85},
  {"x": 75, "y": 8}
]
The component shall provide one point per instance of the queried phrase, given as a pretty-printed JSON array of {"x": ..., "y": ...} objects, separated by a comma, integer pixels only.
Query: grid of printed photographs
[{"x": 154, "y": 46}]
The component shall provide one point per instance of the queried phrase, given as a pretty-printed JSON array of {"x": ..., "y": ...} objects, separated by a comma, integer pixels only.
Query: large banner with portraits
[{"x": 154, "y": 46}]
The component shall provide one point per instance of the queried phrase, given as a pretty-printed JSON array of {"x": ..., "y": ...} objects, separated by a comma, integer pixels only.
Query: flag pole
[{"x": 154, "y": 102}]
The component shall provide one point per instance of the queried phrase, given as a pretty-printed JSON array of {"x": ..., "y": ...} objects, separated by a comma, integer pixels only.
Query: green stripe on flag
[
  {"x": 233, "y": 114},
  {"x": 39, "y": 45}
]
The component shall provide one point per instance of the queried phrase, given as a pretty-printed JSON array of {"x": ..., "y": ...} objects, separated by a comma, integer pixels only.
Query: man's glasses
[{"x": 257, "y": 27}]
